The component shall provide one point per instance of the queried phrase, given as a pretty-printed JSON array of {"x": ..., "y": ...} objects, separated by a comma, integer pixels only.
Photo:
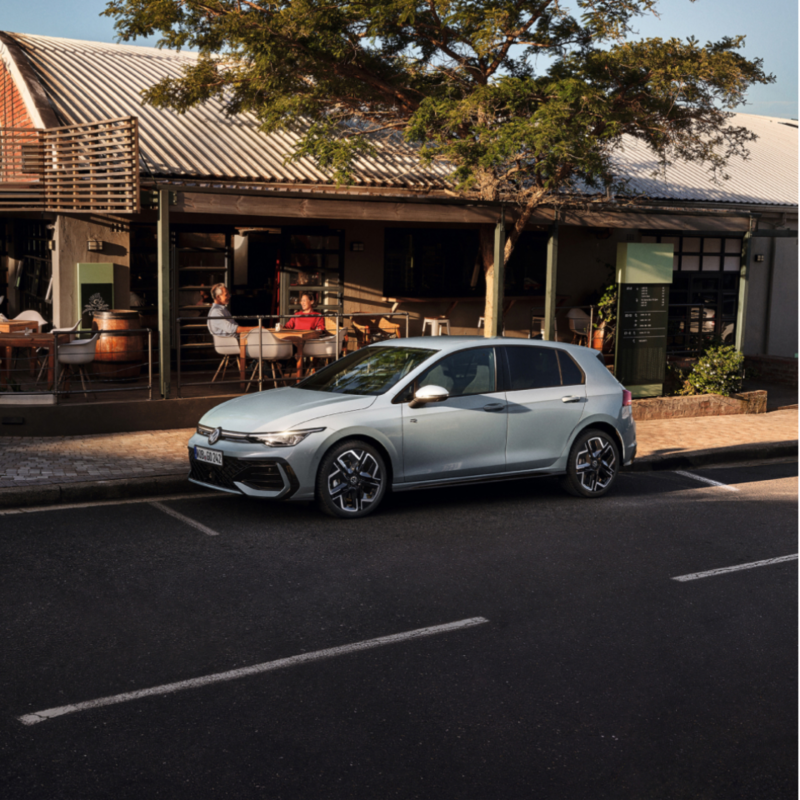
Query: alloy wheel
[
  {"x": 596, "y": 464},
  {"x": 354, "y": 480}
]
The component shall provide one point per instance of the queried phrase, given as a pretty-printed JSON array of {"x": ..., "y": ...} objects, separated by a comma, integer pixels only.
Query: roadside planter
[{"x": 700, "y": 405}]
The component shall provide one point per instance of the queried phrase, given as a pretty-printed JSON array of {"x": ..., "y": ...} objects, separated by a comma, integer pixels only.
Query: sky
[{"x": 771, "y": 28}]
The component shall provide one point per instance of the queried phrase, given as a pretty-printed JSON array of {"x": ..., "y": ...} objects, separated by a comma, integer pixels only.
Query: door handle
[
  {"x": 494, "y": 407},
  {"x": 570, "y": 399}
]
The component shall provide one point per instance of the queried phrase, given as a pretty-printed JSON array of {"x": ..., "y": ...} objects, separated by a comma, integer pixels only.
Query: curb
[
  {"x": 160, "y": 485},
  {"x": 719, "y": 455},
  {"x": 91, "y": 491}
]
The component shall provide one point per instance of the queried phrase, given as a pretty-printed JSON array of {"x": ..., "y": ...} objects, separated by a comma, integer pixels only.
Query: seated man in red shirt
[{"x": 306, "y": 319}]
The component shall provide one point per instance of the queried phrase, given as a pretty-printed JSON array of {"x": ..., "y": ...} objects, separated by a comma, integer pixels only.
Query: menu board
[{"x": 642, "y": 337}]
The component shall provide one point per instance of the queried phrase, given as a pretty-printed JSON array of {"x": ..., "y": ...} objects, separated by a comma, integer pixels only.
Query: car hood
[{"x": 281, "y": 409}]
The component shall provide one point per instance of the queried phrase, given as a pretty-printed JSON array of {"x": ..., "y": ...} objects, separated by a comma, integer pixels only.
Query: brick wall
[
  {"x": 772, "y": 369},
  {"x": 12, "y": 109}
]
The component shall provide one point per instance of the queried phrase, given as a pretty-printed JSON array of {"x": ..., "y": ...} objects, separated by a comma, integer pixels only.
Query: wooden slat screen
[{"x": 88, "y": 167}]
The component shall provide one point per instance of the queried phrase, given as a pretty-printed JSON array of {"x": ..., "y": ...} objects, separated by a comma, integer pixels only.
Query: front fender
[{"x": 390, "y": 441}]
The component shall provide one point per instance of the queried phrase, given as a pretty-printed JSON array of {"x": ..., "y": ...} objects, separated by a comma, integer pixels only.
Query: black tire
[
  {"x": 352, "y": 480},
  {"x": 593, "y": 464}
]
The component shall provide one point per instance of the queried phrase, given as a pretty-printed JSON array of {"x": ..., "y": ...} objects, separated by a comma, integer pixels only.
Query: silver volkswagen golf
[{"x": 417, "y": 413}]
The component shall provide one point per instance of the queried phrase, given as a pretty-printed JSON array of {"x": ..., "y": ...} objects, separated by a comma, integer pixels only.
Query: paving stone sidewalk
[{"x": 128, "y": 459}]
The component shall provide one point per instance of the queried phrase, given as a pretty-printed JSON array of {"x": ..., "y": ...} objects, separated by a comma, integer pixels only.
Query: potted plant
[{"x": 605, "y": 325}]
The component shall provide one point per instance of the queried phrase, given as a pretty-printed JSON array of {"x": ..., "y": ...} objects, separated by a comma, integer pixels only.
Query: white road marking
[
  {"x": 705, "y": 480},
  {"x": 98, "y": 503},
  {"x": 188, "y": 520},
  {"x": 269, "y": 666},
  {"x": 710, "y": 573}
]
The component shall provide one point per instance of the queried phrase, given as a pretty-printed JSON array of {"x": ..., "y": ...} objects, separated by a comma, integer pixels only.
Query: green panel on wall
[
  {"x": 95, "y": 290},
  {"x": 644, "y": 263}
]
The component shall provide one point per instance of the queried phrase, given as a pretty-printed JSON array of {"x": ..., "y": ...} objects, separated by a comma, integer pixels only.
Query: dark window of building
[
  {"x": 704, "y": 297},
  {"x": 443, "y": 262},
  {"x": 432, "y": 262}
]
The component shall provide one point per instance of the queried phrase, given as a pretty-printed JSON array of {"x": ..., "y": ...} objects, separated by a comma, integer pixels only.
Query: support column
[
  {"x": 549, "y": 333},
  {"x": 744, "y": 275},
  {"x": 164, "y": 315},
  {"x": 493, "y": 326}
]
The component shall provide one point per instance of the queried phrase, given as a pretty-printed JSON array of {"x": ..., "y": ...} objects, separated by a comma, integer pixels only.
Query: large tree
[{"x": 523, "y": 101}]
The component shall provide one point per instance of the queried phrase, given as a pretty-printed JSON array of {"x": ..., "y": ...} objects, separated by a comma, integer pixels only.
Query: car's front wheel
[
  {"x": 593, "y": 465},
  {"x": 352, "y": 480}
]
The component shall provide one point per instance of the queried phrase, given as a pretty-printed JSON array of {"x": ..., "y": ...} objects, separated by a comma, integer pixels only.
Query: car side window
[
  {"x": 532, "y": 367},
  {"x": 463, "y": 373},
  {"x": 571, "y": 373}
]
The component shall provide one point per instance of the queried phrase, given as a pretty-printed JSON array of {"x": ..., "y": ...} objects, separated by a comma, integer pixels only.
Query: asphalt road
[{"x": 594, "y": 675}]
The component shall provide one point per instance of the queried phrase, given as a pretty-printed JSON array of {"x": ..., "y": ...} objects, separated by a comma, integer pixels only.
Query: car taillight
[{"x": 626, "y": 398}]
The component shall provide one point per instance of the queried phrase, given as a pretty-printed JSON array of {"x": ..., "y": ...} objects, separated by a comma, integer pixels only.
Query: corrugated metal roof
[
  {"x": 87, "y": 81},
  {"x": 767, "y": 177}
]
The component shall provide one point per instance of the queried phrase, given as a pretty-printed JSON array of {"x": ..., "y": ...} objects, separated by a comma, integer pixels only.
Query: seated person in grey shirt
[{"x": 220, "y": 321}]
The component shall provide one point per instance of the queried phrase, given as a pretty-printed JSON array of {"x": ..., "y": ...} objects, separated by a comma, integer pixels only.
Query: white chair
[
  {"x": 32, "y": 316},
  {"x": 77, "y": 354},
  {"x": 578, "y": 324},
  {"x": 226, "y": 346},
  {"x": 480, "y": 325},
  {"x": 265, "y": 346},
  {"x": 436, "y": 325},
  {"x": 43, "y": 352}
]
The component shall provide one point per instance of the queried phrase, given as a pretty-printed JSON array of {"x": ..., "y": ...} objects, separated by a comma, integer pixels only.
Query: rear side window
[
  {"x": 541, "y": 368},
  {"x": 532, "y": 368},
  {"x": 571, "y": 373}
]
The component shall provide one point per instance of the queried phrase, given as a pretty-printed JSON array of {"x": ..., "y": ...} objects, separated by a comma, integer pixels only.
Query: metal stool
[{"x": 436, "y": 324}]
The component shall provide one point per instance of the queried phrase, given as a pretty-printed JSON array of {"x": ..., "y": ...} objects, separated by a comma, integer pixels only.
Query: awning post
[{"x": 164, "y": 315}]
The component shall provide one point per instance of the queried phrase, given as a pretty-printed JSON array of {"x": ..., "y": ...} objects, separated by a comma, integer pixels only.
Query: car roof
[{"x": 450, "y": 343}]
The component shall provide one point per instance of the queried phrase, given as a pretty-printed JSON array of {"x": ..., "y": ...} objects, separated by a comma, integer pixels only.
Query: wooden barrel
[{"x": 119, "y": 358}]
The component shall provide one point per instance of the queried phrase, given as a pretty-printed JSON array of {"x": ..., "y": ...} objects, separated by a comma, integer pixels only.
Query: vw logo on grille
[{"x": 213, "y": 437}]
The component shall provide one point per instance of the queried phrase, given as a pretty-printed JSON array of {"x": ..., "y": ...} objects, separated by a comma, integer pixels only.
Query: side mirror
[{"x": 429, "y": 394}]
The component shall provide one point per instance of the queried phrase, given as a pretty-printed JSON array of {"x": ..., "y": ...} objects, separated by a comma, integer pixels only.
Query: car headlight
[{"x": 284, "y": 438}]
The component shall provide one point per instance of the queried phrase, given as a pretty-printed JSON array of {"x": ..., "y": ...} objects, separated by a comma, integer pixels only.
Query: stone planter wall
[{"x": 703, "y": 405}]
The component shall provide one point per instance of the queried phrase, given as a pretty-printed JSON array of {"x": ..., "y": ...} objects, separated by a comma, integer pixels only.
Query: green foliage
[
  {"x": 607, "y": 307},
  {"x": 717, "y": 371},
  {"x": 519, "y": 100}
]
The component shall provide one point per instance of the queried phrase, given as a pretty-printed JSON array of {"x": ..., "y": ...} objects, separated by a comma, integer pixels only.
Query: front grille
[{"x": 261, "y": 475}]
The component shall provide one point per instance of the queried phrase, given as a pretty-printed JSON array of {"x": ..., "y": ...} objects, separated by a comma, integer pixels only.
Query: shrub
[{"x": 717, "y": 371}]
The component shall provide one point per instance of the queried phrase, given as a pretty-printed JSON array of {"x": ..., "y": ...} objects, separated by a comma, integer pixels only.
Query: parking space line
[
  {"x": 188, "y": 520},
  {"x": 705, "y": 480},
  {"x": 243, "y": 672},
  {"x": 121, "y": 501},
  {"x": 710, "y": 573}
]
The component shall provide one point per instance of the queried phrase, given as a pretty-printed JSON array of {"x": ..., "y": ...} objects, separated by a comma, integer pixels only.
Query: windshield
[{"x": 372, "y": 370}]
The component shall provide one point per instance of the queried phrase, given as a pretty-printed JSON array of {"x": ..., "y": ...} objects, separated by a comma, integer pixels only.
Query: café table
[
  {"x": 32, "y": 342},
  {"x": 297, "y": 338}
]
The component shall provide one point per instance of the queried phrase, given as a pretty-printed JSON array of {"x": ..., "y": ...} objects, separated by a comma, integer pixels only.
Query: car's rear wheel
[
  {"x": 352, "y": 480},
  {"x": 593, "y": 465}
]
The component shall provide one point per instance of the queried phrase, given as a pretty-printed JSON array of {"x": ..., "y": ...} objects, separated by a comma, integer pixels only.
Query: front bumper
[{"x": 267, "y": 477}]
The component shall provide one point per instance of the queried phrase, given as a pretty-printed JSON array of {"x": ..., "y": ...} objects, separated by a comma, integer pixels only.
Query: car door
[
  {"x": 546, "y": 393},
  {"x": 464, "y": 435}
]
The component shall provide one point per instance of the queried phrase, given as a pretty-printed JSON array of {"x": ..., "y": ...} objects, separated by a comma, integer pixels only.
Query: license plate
[{"x": 209, "y": 456}]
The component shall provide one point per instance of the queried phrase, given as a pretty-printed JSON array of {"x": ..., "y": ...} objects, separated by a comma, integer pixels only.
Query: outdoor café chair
[
  {"x": 263, "y": 345},
  {"x": 226, "y": 346},
  {"x": 43, "y": 352},
  {"x": 77, "y": 354}
]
